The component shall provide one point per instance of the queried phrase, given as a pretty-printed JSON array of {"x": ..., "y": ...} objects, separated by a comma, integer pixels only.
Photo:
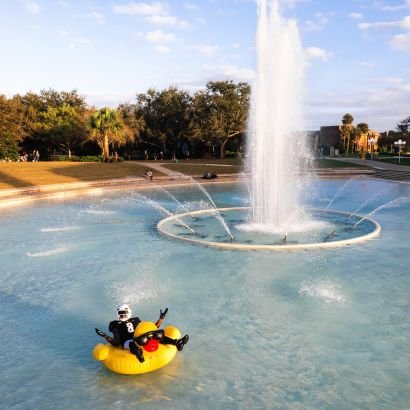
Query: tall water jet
[{"x": 276, "y": 147}]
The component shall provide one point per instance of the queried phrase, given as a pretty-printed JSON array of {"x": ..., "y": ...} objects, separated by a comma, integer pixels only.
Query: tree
[
  {"x": 348, "y": 119},
  {"x": 54, "y": 119},
  {"x": 220, "y": 112},
  {"x": 165, "y": 118},
  {"x": 362, "y": 130},
  {"x": 106, "y": 128},
  {"x": 11, "y": 127},
  {"x": 346, "y": 130},
  {"x": 65, "y": 125},
  {"x": 404, "y": 128}
]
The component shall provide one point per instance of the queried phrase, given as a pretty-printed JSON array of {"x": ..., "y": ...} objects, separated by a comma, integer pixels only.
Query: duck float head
[{"x": 147, "y": 336}]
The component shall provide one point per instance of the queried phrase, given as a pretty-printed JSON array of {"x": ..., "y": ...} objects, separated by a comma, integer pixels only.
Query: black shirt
[{"x": 124, "y": 330}]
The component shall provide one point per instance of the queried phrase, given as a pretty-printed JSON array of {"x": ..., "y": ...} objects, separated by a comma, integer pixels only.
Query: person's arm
[
  {"x": 116, "y": 335},
  {"x": 162, "y": 315},
  {"x": 106, "y": 337}
]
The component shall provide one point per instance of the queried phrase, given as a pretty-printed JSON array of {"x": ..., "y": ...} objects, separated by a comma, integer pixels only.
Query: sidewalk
[{"x": 373, "y": 164}]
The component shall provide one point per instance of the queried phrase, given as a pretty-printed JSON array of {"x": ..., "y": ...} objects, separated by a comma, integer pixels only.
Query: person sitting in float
[{"x": 123, "y": 330}]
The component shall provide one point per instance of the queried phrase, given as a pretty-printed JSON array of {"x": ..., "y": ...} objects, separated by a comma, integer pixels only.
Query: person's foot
[{"x": 182, "y": 342}]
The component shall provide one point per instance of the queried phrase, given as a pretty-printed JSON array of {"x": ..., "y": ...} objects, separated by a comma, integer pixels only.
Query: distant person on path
[
  {"x": 146, "y": 154},
  {"x": 36, "y": 156}
]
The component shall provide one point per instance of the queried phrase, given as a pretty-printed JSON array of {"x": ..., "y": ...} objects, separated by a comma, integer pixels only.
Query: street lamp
[
  {"x": 372, "y": 141},
  {"x": 399, "y": 144}
]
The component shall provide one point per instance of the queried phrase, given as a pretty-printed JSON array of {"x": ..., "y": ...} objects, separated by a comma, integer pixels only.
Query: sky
[{"x": 357, "y": 51}]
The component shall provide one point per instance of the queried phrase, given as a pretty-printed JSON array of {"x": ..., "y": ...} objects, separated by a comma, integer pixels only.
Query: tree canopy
[{"x": 169, "y": 121}]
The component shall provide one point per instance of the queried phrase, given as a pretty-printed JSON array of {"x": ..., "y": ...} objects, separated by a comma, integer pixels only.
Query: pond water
[{"x": 291, "y": 330}]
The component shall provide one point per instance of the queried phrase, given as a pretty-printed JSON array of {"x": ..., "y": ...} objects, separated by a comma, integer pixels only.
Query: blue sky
[{"x": 358, "y": 51}]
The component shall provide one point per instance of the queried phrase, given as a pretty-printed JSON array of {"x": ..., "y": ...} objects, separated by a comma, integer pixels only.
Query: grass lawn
[
  {"x": 26, "y": 174},
  {"x": 199, "y": 167}
]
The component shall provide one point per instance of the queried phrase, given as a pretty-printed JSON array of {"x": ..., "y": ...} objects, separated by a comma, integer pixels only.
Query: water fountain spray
[
  {"x": 159, "y": 207},
  {"x": 217, "y": 214}
]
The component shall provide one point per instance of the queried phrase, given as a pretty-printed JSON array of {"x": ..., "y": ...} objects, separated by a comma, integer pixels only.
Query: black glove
[
  {"x": 99, "y": 333},
  {"x": 162, "y": 314}
]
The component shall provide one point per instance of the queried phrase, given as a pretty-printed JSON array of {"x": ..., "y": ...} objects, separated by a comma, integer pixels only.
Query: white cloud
[
  {"x": 357, "y": 16},
  {"x": 191, "y": 6},
  {"x": 79, "y": 42},
  {"x": 144, "y": 9},
  {"x": 404, "y": 24},
  {"x": 380, "y": 107},
  {"x": 229, "y": 71},
  {"x": 236, "y": 45},
  {"x": 401, "y": 42},
  {"x": 317, "y": 24},
  {"x": 159, "y": 37},
  {"x": 162, "y": 49},
  {"x": 161, "y": 20},
  {"x": 317, "y": 53},
  {"x": 385, "y": 80},
  {"x": 32, "y": 7},
  {"x": 292, "y": 3},
  {"x": 366, "y": 64},
  {"x": 97, "y": 16},
  {"x": 405, "y": 5},
  {"x": 205, "y": 49}
]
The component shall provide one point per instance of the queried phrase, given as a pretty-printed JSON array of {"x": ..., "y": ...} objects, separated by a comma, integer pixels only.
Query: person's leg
[
  {"x": 179, "y": 343},
  {"x": 134, "y": 349}
]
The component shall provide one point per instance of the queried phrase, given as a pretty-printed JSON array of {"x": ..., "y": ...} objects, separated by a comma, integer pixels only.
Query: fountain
[
  {"x": 277, "y": 159},
  {"x": 268, "y": 330},
  {"x": 277, "y": 151}
]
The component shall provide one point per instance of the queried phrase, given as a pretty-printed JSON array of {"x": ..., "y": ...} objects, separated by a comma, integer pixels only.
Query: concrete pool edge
[{"x": 273, "y": 247}]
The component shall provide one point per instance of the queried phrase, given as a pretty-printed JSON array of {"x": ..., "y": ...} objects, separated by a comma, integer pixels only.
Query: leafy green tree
[
  {"x": 163, "y": 118},
  {"x": 220, "y": 112},
  {"x": 12, "y": 128},
  {"x": 404, "y": 128},
  {"x": 54, "y": 119},
  {"x": 107, "y": 128},
  {"x": 65, "y": 125}
]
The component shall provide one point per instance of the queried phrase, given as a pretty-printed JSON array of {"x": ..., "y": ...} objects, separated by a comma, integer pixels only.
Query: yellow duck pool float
[{"x": 120, "y": 360}]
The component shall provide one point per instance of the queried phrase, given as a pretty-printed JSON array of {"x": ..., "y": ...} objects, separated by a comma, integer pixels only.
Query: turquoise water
[{"x": 324, "y": 329}]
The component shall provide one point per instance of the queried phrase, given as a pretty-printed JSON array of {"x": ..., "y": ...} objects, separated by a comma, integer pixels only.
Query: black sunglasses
[{"x": 143, "y": 339}]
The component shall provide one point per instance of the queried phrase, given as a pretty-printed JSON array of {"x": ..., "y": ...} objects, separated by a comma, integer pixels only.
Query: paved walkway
[
  {"x": 374, "y": 164},
  {"x": 158, "y": 166}
]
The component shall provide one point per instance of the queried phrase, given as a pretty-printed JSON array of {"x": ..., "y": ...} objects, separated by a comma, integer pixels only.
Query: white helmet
[{"x": 124, "y": 312}]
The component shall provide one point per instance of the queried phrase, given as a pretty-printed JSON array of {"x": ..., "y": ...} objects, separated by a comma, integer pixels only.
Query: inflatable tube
[{"x": 122, "y": 361}]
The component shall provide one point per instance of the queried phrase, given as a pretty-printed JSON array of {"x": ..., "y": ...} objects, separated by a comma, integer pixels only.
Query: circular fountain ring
[{"x": 273, "y": 247}]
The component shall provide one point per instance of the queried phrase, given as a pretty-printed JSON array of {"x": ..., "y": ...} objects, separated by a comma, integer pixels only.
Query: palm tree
[
  {"x": 106, "y": 128},
  {"x": 363, "y": 130},
  {"x": 346, "y": 130}
]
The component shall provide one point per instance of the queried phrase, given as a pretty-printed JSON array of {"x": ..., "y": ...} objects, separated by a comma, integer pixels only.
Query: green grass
[
  {"x": 199, "y": 167},
  {"x": 26, "y": 174}
]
